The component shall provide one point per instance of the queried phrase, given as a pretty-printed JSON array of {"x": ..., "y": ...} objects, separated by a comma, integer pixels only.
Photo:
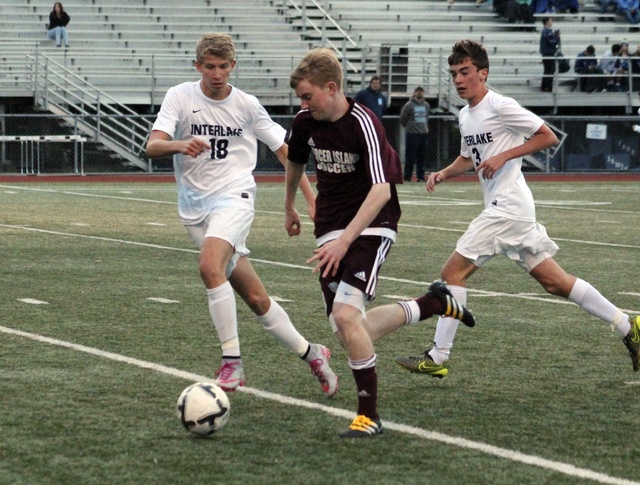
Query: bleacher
[
  {"x": 137, "y": 49},
  {"x": 428, "y": 28}
]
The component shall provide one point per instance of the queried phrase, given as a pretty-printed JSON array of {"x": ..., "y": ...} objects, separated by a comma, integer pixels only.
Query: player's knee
[
  {"x": 258, "y": 301},
  {"x": 554, "y": 288},
  {"x": 211, "y": 277},
  {"x": 339, "y": 320},
  {"x": 451, "y": 278},
  {"x": 343, "y": 320}
]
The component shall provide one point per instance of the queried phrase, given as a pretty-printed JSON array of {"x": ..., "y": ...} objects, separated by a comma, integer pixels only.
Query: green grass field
[{"x": 539, "y": 392}]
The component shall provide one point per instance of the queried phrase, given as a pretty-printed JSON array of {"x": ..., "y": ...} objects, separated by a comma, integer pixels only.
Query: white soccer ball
[{"x": 203, "y": 408}]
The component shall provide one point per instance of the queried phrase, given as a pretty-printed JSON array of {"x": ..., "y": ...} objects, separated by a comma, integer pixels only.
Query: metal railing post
[
  {"x": 75, "y": 145},
  {"x": 303, "y": 7},
  {"x": 98, "y": 118},
  {"x": 35, "y": 75},
  {"x": 153, "y": 82},
  {"x": 344, "y": 64}
]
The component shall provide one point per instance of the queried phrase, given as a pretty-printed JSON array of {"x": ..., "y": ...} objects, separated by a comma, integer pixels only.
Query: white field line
[
  {"x": 566, "y": 205},
  {"x": 511, "y": 455},
  {"x": 424, "y": 284}
]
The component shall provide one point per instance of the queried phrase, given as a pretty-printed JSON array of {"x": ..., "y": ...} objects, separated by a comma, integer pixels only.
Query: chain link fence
[{"x": 593, "y": 144}]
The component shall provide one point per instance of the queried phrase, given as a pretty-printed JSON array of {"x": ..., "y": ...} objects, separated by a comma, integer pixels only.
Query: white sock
[
  {"x": 222, "y": 307},
  {"x": 447, "y": 328},
  {"x": 592, "y": 301},
  {"x": 411, "y": 311},
  {"x": 363, "y": 364},
  {"x": 278, "y": 324}
]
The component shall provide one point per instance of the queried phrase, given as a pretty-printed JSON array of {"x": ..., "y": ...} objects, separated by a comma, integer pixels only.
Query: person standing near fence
[
  {"x": 213, "y": 129},
  {"x": 372, "y": 97},
  {"x": 58, "y": 21},
  {"x": 549, "y": 41},
  {"x": 414, "y": 117}
]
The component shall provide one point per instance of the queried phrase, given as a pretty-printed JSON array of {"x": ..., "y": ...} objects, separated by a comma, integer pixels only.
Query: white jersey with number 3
[
  {"x": 231, "y": 127},
  {"x": 495, "y": 125}
]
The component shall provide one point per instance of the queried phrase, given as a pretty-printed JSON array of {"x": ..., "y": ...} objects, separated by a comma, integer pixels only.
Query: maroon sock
[
  {"x": 430, "y": 306},
  {"x": 367, "y": 384}
]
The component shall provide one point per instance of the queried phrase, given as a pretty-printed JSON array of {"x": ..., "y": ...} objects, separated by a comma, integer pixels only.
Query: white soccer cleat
[
  {"x": 318, "y": 360},
  {"x": 230, "y": 375}
]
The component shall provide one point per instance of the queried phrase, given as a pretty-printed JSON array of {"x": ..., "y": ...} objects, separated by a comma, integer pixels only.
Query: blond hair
[
  {"x": 218, "y": 45},
  {"x": 319, "y": 67}
]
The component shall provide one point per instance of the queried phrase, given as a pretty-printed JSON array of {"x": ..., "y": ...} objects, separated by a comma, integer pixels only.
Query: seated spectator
[
  {"x": 587, "y": 65},
  {"x": 610, "y": 64},
  {"x": 58, "y": 21},
  {"x": 629, "y": 10},
  {"x": 623, "y": 64},
  {"x": 634, "y": 65},
  {"x": 608, "y": 61},
  {"x": 542, "y": 6},
  {"x": 516, "y": 11},
  {"x": 608, "y": 6},
  {"x": 564, "y": 6}
]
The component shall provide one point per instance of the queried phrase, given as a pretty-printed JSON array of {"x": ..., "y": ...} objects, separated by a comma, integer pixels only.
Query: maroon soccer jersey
[{"x": 351, "y": 154}]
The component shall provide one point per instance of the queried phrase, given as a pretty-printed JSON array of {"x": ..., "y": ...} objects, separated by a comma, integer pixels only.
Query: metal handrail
[
  {"x": 302, "y": 9},
  {"x": 511, "y": 75},
  {"x": 63, "y": 92}
]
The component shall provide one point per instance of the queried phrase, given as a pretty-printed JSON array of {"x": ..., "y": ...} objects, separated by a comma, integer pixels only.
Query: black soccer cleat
[{"x": 453, "y": 308}]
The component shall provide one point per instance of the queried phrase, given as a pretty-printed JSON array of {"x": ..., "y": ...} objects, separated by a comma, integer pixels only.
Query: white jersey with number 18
[{"x": 231, "y": 127}]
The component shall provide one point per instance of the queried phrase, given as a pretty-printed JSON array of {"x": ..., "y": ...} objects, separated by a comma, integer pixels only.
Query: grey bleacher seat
[
  {"x": 112, "y": 40},
  {"x": 121, "y": 42}
]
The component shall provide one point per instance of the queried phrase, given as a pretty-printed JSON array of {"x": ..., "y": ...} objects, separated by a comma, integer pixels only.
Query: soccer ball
[{"x": 203, "y": 408}]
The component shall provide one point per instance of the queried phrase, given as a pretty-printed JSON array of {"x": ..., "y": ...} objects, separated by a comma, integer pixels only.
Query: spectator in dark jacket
[
  {"x": 564, "y": 6},
  {"x": 549, "y": 42},
  {"x": 587, "y": 65},
  {"x": 58, "y": 21},
  {"x": 373, "y": 98},
  {"x": 634, "y": 65}
]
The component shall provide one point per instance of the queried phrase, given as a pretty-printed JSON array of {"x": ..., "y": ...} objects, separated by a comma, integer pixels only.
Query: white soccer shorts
[
  {"x": 489, "y": 235},
  {"x": 231, "y": 224}
]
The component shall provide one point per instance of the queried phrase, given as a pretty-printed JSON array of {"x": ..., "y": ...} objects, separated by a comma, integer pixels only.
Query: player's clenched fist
[{"x": 194, "y": 147}]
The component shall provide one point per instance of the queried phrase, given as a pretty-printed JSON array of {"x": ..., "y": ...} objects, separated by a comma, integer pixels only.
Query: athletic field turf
[{"x": 104, "y": 321}]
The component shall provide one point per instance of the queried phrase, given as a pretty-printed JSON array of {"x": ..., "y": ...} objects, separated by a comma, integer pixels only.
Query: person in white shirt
[
  {"x": 496, "y": 132},
  {"x": 610, "y": 63},
  {"x": 212, "y": 130}
]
